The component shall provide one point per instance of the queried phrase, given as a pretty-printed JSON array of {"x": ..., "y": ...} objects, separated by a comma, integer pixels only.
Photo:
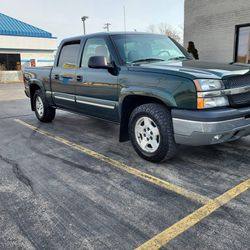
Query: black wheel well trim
[
  {"x": 129, "y": 107},
  {"x": 33, "y": 86}
]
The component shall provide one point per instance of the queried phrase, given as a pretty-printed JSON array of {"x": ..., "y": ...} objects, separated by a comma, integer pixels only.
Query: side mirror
[{"x": 98, "y": 62}]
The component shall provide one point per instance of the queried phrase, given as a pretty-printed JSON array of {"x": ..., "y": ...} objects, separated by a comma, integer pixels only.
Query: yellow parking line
[
  {"x": 181, "y": 226},
  {"x": 147, "y": 177}
]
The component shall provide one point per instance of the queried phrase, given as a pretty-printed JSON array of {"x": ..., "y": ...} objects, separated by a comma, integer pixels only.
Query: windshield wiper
[
  {"x": 177, "y": 58},
  {"x": 148, "y": 60}
]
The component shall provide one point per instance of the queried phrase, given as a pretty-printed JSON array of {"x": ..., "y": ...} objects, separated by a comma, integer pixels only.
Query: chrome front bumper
[{"x": 196, "y": 133}]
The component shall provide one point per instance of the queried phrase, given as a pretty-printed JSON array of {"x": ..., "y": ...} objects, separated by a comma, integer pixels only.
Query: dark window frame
[
  {"x": 65, "y": 44},
  {"x": 236, "y": 39}
]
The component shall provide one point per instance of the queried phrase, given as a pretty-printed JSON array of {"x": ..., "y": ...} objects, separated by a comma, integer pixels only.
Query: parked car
[{"x": 150, "y": 86}]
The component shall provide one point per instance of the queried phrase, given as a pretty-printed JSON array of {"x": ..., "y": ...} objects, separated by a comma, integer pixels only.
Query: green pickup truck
[{"x": 149, "y": 85}]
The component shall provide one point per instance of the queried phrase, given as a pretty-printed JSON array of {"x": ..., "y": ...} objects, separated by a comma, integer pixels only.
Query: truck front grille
[{"x": 238, "y": 82}]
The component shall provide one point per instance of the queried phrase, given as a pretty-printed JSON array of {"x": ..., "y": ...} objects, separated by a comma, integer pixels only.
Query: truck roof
[{"x": 107, "y": 34}]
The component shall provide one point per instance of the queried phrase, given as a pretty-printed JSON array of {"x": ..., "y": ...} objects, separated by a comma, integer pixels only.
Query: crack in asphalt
[
  {"x": 14, "y": 116},
  {"x": 18, "y": 172},
  {"x": 66, "y": 162}
]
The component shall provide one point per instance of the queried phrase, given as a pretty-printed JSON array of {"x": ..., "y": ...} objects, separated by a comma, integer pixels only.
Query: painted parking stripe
[
  {"x": 142, "y": 175},
  {"x": 183, "y": 225}
]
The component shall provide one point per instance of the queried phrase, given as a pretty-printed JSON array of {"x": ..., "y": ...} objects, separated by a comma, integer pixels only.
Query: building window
[
  {"x": 10, "y": 62},
  {"x": 242, "y": 50}
]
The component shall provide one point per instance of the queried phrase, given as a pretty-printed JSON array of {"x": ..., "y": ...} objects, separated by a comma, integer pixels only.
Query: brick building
[{"x": 219, "y": 29}]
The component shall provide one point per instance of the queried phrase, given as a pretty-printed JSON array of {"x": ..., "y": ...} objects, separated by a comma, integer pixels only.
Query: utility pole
[
  {"x": 84, "y": 18},
  {"x": 106, "y": 26}
]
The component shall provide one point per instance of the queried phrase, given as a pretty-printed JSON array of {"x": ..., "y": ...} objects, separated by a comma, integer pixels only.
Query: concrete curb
[{"x": 11, "y": 77}]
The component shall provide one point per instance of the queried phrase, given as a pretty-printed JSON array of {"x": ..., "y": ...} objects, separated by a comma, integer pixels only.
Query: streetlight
[
  {"x": 106, "y": 26},
  {"x": 84, "y": 18}
]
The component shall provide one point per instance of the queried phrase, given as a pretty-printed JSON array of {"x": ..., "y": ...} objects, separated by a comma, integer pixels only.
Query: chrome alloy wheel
[
  {"x": 147, "y": 134},
  {"x": 39, "y": 106}
]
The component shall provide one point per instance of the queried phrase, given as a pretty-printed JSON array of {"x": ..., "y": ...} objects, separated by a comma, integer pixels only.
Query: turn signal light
[
  {"x": 200, "y": 103},
  {"x": 220, "y": 101}
]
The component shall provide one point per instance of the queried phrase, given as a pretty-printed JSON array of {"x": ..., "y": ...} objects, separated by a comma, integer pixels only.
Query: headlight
[
  {"x": 208, "y": 87},
  {"x": 208, "y": 84},
  {"x": 203, "y": 103}
]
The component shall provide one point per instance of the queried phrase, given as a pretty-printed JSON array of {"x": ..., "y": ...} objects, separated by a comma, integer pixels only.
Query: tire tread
[
  {"x": 49, "y": 112},
  {"x": 164, "y": 119}
]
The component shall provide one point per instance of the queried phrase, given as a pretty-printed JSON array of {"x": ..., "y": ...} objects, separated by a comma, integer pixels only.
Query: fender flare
[
  {"x": 32, "y": 83},
  {"x": 163, "y": 96}
]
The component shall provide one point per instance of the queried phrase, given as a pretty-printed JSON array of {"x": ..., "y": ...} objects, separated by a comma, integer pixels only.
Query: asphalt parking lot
[{"x": 71, "y": 185}]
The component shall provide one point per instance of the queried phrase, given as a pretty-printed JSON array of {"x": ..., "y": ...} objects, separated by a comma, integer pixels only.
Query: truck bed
[{"x": 37, "y": 74}]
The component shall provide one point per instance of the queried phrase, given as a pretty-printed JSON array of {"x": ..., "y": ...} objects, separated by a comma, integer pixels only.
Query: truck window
[
  {"x": 69, "y": 53},
  {"x": 138, "y": 47},
  {"x": 94, "y": 47}
]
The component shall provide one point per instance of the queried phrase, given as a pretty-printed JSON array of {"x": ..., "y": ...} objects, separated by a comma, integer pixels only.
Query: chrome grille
[{"x": 238, "y": 82}]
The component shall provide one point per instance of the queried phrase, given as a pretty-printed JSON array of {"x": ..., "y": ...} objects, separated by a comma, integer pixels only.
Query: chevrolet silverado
[{"x": 150, "y": 86}]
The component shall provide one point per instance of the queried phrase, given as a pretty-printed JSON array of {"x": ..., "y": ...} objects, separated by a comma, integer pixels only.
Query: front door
[
  {"x": 96, "y": 89},
  {"x": 63, "y": 76}
]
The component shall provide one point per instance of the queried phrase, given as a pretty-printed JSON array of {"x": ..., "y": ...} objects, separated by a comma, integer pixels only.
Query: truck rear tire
[
  {"x": 151, "y": 132},
  {"x": 43, "y": 111}
]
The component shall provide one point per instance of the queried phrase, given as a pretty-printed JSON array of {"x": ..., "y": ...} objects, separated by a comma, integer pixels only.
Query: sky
[{"x": 63, "y": 18}]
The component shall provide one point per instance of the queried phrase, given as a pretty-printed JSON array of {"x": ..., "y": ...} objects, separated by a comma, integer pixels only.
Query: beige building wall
[
  {"x": 43, "y": 58},
  {"x": 41, "y": 49},
  {"x": 210, "y": 24},
  {"x": 21, "y": 42}
]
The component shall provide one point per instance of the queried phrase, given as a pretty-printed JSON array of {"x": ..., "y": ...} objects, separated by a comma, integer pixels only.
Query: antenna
[
  {"x": 125, "y": 30},
  {"x": 124, "y": 15}
]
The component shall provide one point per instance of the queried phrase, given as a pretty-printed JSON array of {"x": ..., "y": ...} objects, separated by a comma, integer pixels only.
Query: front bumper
[{"x": 210, "y": 127}]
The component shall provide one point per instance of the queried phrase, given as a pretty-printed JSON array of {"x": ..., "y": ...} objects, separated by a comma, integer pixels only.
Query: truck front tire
[
  {"x": 151, "y": 132},
  {"x": 43, "y": 111}
]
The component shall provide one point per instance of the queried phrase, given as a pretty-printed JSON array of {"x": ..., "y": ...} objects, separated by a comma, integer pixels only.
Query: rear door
[
  {"x": 63, "y": 76},
  {"x": 96, "y": 89}
]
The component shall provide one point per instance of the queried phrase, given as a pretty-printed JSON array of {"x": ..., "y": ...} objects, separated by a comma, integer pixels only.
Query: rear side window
[{"x": 69, "y": 53}]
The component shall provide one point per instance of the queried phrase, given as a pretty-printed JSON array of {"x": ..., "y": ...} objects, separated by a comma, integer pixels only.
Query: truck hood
[{"x": 195, "y": 69}]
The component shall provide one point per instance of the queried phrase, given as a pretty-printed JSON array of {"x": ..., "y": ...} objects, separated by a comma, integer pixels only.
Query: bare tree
[
  {"x": 151, "y": 28},
  {"x": 166, "y": 29}
]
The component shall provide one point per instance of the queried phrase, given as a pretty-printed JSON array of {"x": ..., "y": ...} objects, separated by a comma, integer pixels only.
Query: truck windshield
[{"x": 135, "y": 49}]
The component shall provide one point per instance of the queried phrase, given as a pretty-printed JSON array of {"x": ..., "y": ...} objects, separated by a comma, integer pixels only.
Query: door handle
[
  {"x": 57, "y": 77},
  {"x": 79, "y": 78}
]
